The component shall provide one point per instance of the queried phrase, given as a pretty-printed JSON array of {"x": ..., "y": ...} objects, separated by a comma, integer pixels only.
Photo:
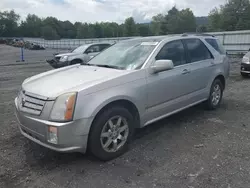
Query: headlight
[
  {"x": 63, "y": 108},
  {"x": 246, "y": 60},
  {"x": 64, "y": 58}
]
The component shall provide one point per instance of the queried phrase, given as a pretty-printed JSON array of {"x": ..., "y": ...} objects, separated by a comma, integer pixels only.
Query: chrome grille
[{"x": 31, "y": 104}]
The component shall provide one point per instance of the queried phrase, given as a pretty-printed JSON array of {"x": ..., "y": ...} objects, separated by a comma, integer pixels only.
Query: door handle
[{"x": 185, "y": 71}]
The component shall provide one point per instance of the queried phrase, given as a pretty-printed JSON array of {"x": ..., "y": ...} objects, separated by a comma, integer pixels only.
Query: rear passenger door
[{"x": 200, "y": 65}]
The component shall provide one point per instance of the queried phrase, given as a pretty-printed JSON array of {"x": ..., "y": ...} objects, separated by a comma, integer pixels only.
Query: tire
[
  {"x": 211, "y": 103},
  {"x": 244, "y": 75},
  {"x": 101, "y": 126}
]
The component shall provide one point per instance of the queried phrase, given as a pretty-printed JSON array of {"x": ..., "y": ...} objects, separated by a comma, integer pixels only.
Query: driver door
[{"x": 166, "y": 89}]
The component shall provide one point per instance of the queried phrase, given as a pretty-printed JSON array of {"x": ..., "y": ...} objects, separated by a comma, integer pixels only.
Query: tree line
[{"x": 233, "y": 15}]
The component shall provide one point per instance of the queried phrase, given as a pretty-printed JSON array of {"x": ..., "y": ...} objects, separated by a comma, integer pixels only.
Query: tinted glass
[
  {"x": 104, "y": 46},
  {"x": 197, "y": 50},
  {"x": 173, "y": 51},
  {"x": 80, "y": 49},
  {"x": 216, "y": 45},
  {"x": 221, "y": 48},
  {"x": 128, "y": 55},
  {"x": 93, "y": 49}
]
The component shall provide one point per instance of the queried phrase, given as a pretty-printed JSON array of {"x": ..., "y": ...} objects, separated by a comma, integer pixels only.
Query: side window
[
  {"x": 213, "y": 43},
  {"x": 197, "y": 50},
  {"x": 93, "y": 49},
  {"x": 173, "y": 51},
  {"x": 216, "y": 45}
]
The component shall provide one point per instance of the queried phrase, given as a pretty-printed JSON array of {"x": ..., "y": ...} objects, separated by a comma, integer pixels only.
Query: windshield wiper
[
  {"x": 107, "y": 66},
  {"x": 100, "y": 65}
]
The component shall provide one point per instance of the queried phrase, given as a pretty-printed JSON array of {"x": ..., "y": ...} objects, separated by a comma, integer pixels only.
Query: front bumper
[
  {"x": 57, "y": 64},
  {"x": 72, "y": 136},
  {"x": 245, "y": 68}
]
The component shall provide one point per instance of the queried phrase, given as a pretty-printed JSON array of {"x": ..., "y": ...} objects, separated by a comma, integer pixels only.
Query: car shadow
[
  {"x": 172, "y": 122},
  {"x": 40, "y": 157}
]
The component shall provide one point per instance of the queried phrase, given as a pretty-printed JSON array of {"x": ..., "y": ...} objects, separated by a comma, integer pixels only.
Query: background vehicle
[
  {"x": 82, "y": 54},
  {"x": 245, "y": 65},
  {"x": 129, "y": 85}
]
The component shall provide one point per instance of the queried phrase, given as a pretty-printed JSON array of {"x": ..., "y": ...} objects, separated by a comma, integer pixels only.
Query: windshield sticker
[{"x": 149, "y": 43}]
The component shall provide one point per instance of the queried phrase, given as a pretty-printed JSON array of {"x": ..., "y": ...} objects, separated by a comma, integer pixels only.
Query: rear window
[{"x": 216, "y": 45}]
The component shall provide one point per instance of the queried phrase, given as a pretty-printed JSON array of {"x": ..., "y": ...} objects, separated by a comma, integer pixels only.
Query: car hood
[{"x": 68, "y": 79}]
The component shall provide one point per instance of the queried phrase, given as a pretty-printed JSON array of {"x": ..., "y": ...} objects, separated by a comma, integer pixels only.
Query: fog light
[{"x": 52, "y": 136}]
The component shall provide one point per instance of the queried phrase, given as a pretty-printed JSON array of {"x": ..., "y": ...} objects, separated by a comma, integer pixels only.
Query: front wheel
[
  {"x": 215, "y": 96},
  {"x": 111, "y": 133}
]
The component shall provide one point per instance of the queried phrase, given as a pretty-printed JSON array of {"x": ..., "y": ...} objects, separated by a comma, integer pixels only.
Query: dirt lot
[
  {"x": 195, "y": 148},
  {"x": 9, "y": 54}
]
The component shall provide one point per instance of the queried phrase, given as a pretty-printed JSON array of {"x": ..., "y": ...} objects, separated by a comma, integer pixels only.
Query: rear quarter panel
[{"x": 221, "y": 64}]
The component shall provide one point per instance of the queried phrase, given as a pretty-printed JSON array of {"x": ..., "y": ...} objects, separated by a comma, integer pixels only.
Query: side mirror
[{"x": 162, "y": 65}]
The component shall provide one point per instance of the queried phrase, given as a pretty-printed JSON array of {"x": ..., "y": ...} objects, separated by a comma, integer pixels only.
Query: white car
[{"x": 81, "y": 54}]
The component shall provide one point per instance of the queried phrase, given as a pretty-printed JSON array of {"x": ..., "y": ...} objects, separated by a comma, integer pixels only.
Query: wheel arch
[
  {"x": 128, "y": 104},
  {"x": 222, "y": 79},
  {"x": 78, "y": 60}
]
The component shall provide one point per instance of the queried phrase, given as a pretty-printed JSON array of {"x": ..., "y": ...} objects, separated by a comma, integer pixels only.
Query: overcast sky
[{"x": 105, "y": 10}]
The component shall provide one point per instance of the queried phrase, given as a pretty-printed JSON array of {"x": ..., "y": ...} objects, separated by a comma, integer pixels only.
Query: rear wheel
[
  {"x": 244, "y": 75},
  {"x": 215, "y": 96},
  {"x": 111, "y": 133}
]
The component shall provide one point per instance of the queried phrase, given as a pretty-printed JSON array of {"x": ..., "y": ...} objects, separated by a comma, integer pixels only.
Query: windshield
[
  {"x": 80, "y": 49},
  {"x": 127, "y": 55}
]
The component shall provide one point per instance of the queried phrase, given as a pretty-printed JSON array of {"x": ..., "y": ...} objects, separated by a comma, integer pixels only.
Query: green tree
[
  {"x": 187, "y": 22},
  {"x": 51, "y": 25},
  {"x": 180, "y": 21},
  {"x": 31, "y": 27},
  {"x": 158, "y": 25},
  {"x": 202, "y": 28},
  {"x": 9, "y": 23},
  {"x": 130, "y": 27},
  {"x": 144, "y": 29},
  {"x": 67, "y": 29},
  {"x": 234, "y": 15},
  {"x": 49, "y": 33},
  {"x": 214, "y": 20}
]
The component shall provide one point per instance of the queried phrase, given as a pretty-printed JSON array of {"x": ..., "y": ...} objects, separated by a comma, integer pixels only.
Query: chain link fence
[{"x": 235, "y": 42}]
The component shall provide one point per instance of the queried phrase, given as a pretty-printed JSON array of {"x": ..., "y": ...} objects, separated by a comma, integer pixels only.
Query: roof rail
[{"x": 197, "y": 34}]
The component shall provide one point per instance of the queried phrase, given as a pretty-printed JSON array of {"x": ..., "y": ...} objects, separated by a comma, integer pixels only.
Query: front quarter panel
[
  {"x": 77, "y": 56},
  {"x": 133, "y": 90}
]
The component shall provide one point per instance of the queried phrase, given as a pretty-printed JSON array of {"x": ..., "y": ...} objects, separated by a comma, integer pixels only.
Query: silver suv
[{"x": 129, "y": 85}]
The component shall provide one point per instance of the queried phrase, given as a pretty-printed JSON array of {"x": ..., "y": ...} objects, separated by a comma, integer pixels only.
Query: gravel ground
[
  {"x": 9, "y": 54},
  {"x": 194, "y": 148}
]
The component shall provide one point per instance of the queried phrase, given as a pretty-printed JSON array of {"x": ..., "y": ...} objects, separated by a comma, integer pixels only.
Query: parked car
[
  {"x": 245, "y": 65},
  {"x": 82, "y": 54},
  {"x": 129, "y": 85}
]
